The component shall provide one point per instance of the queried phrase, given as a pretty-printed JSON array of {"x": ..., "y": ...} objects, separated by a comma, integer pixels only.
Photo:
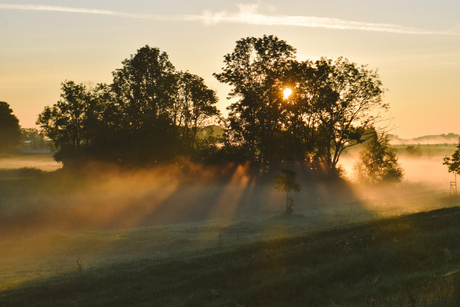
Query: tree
[
  {"x": 255, "y": 70},
  {"x": 145, "y": 88},
  {"x": 286, "y": 182},
  {"x": 378, "y": 162},
  {"x": 150, "y": 113},
  {"x": 72, "y": 122},
  {"x": 145, "y": 91},
  {"x": 453, "y": 162},
  {"x": 414, "y": 151},
  {"x": 194, "y": 107},
  {"x": 10, "y": 131},
  {"x": 331, "y": 106},
  {"x": 338, "y": 100}
]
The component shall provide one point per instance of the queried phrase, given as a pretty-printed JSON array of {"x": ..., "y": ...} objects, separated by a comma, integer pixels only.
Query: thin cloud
[
  {"x": 50, "y": 8},
  {"x": 247, "y": 15}
]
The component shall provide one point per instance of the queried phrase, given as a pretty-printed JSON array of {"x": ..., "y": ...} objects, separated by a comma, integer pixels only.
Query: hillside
[
  {"x": 410, "y": 260},
  {"x": 450, "y": 138}
]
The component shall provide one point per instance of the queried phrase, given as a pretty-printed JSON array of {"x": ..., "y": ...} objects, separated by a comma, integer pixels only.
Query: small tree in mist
[
  {"x": 378, "y": 162},
  {"x": 453, "y": 162},
  {"x": 286, "y": 182},
  {"x": 414, "y": 151}
]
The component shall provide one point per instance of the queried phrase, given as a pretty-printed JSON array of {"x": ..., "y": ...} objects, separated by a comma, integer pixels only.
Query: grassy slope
[{"x": 399, "y": 261}]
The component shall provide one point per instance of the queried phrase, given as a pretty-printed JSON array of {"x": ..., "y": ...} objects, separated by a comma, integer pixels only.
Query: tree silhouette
[
  {"x": 153, "y": 113},
  {"x": 150, "y": 113},
  {"x": 194, "y": 108},
  {"x": 10, "y": 131},
  {"x": 453, "y": 162},
  {"x": 330, "y": 107},
  {"x": 335, "y": 101},
  {"x": 145, "y": 88},
  {"x": 72, "y": 123},
  {"x": 286, "y": 182},
  {"x": 255, "y": 70}
]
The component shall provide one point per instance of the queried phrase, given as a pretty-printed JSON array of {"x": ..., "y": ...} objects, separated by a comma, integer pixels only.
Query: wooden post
[{"x": 453, "y": 186}]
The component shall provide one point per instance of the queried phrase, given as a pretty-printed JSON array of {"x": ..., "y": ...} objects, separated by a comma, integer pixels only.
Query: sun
[{"x": 287, "y": 92}]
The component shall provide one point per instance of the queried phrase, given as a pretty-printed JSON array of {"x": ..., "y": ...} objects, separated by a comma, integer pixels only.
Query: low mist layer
[
  {"x": 103, "y": 197},
  {"x": 42, "y": 161}
]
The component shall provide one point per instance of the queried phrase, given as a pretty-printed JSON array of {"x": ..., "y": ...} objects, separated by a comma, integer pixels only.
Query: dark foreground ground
[{"x": 410, "y": 260}]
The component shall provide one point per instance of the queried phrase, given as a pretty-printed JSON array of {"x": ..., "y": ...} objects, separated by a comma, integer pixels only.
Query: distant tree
[
  {"x": 33, "y": 137},
  {"x": 453, "y": 162},
  {"x": 256, "y": 71},
  {"x": 286, "y": 182},
  {"x": 413, "y": 150},
  {"x": 378, "y": 162},
  {"x": 10, "y": 131}
]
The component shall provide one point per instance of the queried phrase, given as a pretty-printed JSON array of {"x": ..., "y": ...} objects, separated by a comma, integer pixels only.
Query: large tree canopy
[
  {"x": 150, "y": 113},
  {"x": 10, "y": 131},
  {"x": 145, "y": 88},
  {"x": 339, "y": 98},
  {"x": 331, "y": 105},
  {"x": 73, "y": 122},
  {"x": 256, "y": 70}
]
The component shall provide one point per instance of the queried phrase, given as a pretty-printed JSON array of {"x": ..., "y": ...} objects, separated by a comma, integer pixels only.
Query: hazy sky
[{"x": 415, "y": 45}]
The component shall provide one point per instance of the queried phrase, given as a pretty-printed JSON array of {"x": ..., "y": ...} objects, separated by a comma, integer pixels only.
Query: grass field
[
  {"x": 127, "y": 239},
  {"x": 410, "y": 260}
]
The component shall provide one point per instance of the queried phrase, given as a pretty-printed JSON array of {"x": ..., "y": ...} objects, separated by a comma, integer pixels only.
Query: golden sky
[{"x": 415, "y": 45}]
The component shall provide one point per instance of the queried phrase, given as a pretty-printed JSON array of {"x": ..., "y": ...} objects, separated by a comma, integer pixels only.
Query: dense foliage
[
  {"x": 150, "y": 113},
  {"x": 153, "y": 113},
  {"x": 329, "y": 109}
]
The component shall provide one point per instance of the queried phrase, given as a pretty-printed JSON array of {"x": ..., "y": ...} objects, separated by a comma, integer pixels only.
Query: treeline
[{"x": 284, "y": 110}]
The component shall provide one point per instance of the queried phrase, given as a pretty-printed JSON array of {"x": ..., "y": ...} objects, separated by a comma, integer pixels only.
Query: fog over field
[
  {"x": 42, "y": 161},
  {"x": 54, "y": 222},
  {"x": 426, "y": 168},
  {"x": 104, "y": 198}
]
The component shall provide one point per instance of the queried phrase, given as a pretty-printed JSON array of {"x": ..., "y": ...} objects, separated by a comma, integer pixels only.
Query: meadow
[{"x": 147, "y": 238}]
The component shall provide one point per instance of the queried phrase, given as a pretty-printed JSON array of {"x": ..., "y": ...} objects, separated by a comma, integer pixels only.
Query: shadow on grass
[{"x": 402, "y": 261}]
